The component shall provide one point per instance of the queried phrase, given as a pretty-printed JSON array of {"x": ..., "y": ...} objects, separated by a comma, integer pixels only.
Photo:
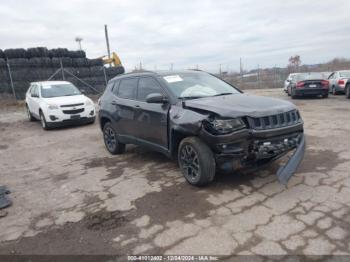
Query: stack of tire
[
  {"x": 39, "y": 64},
  {"x": 4, "y": 77}
]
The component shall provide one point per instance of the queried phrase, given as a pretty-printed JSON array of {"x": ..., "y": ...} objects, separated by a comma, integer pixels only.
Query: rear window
[
  {"x": 310, "y": 76},
  {"x": 127, "y": 88}
]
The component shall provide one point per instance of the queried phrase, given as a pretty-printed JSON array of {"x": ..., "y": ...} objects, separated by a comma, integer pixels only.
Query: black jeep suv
[{"x": 202, "y": 121}]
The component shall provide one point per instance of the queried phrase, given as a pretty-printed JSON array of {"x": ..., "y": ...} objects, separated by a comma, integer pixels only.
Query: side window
[
  {"x": 127, "y": 88},
  {"x": 147, "y": 85},
  {"x": 37, "y": 91},
  {"x": 34, "y": 91},
  {"x": 114, "y": 87}
]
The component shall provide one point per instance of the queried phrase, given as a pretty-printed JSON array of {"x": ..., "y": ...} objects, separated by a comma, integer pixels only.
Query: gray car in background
[{"x": 339, "y": 82}]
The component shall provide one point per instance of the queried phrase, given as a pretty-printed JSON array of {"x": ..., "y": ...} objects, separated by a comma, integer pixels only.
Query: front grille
[
  {"x": 80, "y": 104},
  {"x": 275, "y": 121},
  {"x": 73, "y": 111}
]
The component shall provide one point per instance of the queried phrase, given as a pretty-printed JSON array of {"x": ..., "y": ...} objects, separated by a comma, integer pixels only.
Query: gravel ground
[{"x": 71, "y": 197}]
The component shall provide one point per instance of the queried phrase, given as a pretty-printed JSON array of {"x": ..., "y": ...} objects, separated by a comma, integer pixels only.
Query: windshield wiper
[
  {"x": 191, "y": 97},
  {"x": 71, "y": 95},
  {"x": 223, "y": 94}
]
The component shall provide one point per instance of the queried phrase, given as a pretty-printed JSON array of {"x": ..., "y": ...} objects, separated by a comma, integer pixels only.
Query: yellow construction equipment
[{"x": 113, "y": 61}]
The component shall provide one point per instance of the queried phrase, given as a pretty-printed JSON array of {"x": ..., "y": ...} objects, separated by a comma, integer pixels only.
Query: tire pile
[{"x": 39, "y": 63}]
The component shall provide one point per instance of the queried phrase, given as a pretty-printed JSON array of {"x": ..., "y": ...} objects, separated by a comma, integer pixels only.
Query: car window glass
[
  {"x": 32, "y": 90},
  {"x": 114, "y": 86},
  {"x": 35, "y": 91},
  {"x": 127, "y": 88},
  {"x": 147, "y": 85}
]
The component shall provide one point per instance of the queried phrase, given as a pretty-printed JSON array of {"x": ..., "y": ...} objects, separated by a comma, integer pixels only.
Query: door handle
[
  {"x": 137, "y": 106},
  {"x": 114, "y": 103}
]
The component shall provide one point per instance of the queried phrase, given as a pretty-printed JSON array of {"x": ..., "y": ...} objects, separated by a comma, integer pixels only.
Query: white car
[
  {"x": 57, "y": 103},
  {"x": 287, "y": 81}
]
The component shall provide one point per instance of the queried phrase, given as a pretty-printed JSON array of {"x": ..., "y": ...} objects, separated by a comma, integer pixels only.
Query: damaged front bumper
[
  {"x": 285, "y": 172},
  {"x": 252, "y": 150}
]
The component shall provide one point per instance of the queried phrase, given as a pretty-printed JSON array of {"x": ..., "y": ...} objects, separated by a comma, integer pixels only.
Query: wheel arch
[{"x": 104, "y": 120}]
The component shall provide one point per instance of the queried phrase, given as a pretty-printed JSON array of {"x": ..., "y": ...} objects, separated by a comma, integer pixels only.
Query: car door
[
  {"x": 152, "y": 118},
  {"x": 34, "y": 100},
  {"x": 124, "y": 106},
  {"x": 29, "y": 97}
]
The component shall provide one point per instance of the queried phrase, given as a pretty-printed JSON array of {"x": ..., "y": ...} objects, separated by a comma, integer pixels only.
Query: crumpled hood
[
  {"x": 239, "y": 105},
  {"x": 66, "y": 100}
]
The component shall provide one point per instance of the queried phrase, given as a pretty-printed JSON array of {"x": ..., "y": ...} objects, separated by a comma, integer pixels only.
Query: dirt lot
[{"x": 71, "y": 197}]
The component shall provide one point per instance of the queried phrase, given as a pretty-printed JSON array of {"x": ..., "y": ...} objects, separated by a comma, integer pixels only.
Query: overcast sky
[{"x": 185, "y": 33}]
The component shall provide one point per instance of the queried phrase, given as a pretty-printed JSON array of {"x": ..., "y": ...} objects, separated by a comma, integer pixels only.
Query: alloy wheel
[
  {"x": 42, "y": 120},
  {"x": 189, "y": 162},
  {"x": 110, "y": 138}
]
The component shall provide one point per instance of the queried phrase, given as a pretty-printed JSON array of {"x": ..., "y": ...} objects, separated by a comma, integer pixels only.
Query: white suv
[{"x": 57, "y": 103}]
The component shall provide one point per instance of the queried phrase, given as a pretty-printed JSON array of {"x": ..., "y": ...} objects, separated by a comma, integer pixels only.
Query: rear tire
[
  {"x": 347, "y": 91},
  {"x": 196, "y": 161},
  {"x": 111, "y": 141}
]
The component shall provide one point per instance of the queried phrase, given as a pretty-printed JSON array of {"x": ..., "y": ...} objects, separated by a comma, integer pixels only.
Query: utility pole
[
  {"x": 258, "y": 76},
  {"x": 78, "y": 40},
  {"x": 240, "y": 66},
  {"x": 220, "y": 69},
  {"x": 140, "y": 66},
  {"x": 107, "y": 43}
]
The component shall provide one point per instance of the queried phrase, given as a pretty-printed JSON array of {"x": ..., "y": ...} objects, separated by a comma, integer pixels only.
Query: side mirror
[{"x": 156, "y": 98}]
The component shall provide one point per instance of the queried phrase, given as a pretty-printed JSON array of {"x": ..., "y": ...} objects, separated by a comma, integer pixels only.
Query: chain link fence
[{"x": 259, "y": 79}]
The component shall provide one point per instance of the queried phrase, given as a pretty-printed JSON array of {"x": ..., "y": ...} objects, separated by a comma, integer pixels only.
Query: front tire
[
  {"x": 43, "y": 121},
  {"x": 111, "y": 141},
  {"x": 29, "y": 115},
  {"x": 196, "y": 161}
]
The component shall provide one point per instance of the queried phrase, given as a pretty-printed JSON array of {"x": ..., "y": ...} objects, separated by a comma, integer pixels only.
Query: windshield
[
  {"x": 59, "y": 90},
  {"x": 197, "y": 85},
  {"x": 345, "y": 74},
  {"x": 310, "y": 76}
]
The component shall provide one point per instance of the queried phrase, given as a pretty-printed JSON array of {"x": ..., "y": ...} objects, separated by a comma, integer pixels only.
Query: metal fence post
[
  {"x": 62, "y": 69},
  {"x": 104, "y": 73},
  {"x": 13, "y": 88}
]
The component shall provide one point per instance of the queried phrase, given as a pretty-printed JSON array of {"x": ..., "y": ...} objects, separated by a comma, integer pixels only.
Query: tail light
[
  {"x": 341, "y": 82},
  {"x": 300, "y": 84},
  {"x": 325, "y": 84}
]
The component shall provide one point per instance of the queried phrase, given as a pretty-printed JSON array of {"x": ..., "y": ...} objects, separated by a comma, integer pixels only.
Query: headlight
[
  {"x": 88, "y": 102},
  {"x": 52, "y": 107},
  {"x": 224, "y": 126}
]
